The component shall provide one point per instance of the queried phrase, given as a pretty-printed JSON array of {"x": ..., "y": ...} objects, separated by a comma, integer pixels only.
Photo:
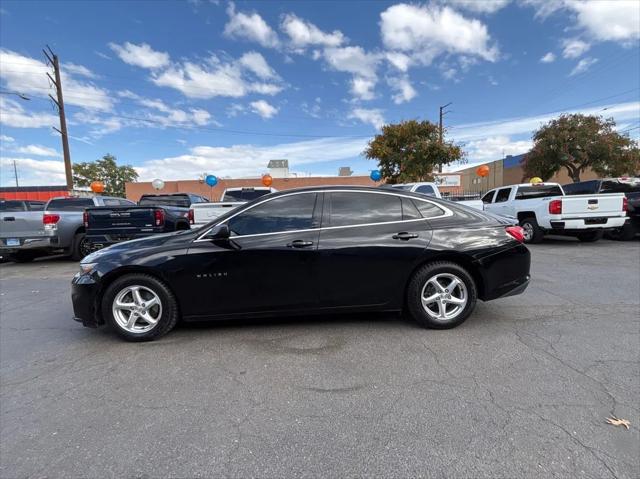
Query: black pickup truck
[
  {"x": 154, "y": 214},
  {"x": 629, "y": 186}
]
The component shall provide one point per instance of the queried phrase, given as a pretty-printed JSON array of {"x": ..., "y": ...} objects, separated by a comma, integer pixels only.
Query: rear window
[
  {"x": 612, "y": 186},
  {"x": 542, "y": 191},
  {"x": 426, "y": 190},
  {"x": 8, "y": 205},
  {"x": 70, "y": 204},
  {"x": 428, "y": 209},
  {"x": 246, "y": 194},
  {"x": 165, "y": 200},
  {"x": 582, "y": 188}
]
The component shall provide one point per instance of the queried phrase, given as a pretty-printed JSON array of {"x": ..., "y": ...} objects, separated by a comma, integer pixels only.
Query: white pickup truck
[
  {"x": 431, "y": 189},
  {"x": 203, "y": 213},
  {"x": 543, "y": 208}
]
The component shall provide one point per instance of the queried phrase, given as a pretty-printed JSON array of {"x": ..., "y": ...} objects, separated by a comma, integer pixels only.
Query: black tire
[
  {"x": 169, "y": 313},
  {"x": 590, "y": 236},
  {"x": 79, "y": 247},
  {"x": 418, "y": 283},
  {"x": 23, "y": 256},
  {"x": 535, "y": 233},
  {"x": 626, "y": 233}
]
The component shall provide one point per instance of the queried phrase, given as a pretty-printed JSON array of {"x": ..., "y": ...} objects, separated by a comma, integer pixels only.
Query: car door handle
[
  {"x": 404, "y": 236},
  {"x": 300, "y": 244},
  {"x": 9, "y": 218}
]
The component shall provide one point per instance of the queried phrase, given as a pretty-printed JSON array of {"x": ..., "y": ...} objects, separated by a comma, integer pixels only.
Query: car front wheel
[
  {"x": 139, "y": 307},
  {"x": 441, "y": 295}
]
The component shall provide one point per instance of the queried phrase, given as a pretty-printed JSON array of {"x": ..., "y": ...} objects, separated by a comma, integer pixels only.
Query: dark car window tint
[
  {"x": 12, "y": 205},
  {"x": 36, "y": 205},
  {"x": 428, "y": 209},
  {"x": 610, "y": 186},
  {"x": 362, "y": 208},
  {"x": 529, "y": 192},
  {"x": 402, "y": 187},
  {"x": 288, "y": 213},
  {"x": 503, "y": 195},
  {"x": 409, "y": 210},
  {"x": 582, "y": 187},
  {"x": 126, "y": 203},
  {"x": 111, "y": 202},
  {"x": 488, "y": 197},
  {"x": 70, "y": 204},
  {"x": 426, "y": 190},
  {"x": 245, "y": 194},
  {"x": 165, "y": 200}
]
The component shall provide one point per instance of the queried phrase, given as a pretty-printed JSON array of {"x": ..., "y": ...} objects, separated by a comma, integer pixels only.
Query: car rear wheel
[
  {"x": 139, "y": 307},
  {"x": 441, "y": 295},
  {"x": 532, "y": 232},
  {"x": 80, "y": 247},
  {"x": 590, "y": 236}
]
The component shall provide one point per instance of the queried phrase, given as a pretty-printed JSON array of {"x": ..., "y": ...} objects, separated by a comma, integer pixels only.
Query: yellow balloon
[{"x": 535, "y": 180}]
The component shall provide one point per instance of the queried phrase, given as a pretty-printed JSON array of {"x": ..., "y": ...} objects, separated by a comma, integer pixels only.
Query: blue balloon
[
  {"x": 211, "y": 180},
  {"x": 376, "y": 175}
]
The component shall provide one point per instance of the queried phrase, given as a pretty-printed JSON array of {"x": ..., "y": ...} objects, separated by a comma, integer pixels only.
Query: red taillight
[
  {"x": 85, "y": 219},
  {"x": 49, "y": 219},
  {"x": 625, "y": 204},
  {"x": 158, "y": 215},
  {"x": 516, "y": 232},
  {"x": 191, "y": 217},
  {"x": 555, "y": 207}
]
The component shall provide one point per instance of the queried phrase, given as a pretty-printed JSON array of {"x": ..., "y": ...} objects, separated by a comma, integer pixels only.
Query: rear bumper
[
  {"x": 84, "y": 296},
  {"x": 505, "y": 273},
  {"x": 30, "y": 244},
  {"x": 587, "y": 223}
]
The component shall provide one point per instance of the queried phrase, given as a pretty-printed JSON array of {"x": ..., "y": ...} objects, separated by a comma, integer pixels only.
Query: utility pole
[
  {"x": 15, "y": 172},
  {"x": 53, "y": 60},
  {"x": 442, "y": 114}
]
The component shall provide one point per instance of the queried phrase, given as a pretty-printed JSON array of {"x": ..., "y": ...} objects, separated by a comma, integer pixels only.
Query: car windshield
[
  {"x": 165, "y": 200},
  {"x": 245, "y": 194}
]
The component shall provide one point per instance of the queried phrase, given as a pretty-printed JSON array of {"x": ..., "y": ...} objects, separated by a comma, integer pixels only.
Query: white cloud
[
  {"x": 140, "y": 55},
  {"x": 37, "y": 150},
  {"x": 256, "y": 63},
  {"x": 249, "y": 160},
  {"x": 80, "y": 70},
  {"x": 7, "y": 139},
  {"x": 479, "y": 6},
  {"x": 23, "y": 77},
  {"x": 495, "y": 147},
  {"x": 425, "y": 32},
  {"x": 363, "y": 88},
  {"x": 263, "y": 108},
  {"x": 616, "y": 20},
  {"x": 373, "y": 116},
  {"x": 31, "y": 172},
  {"x": 403, "y": 88},
  {"x": 303, "y": 34},
  {"x": 361, "y": 64},
  {"x": 12, "y": 114},
  {"x": 583, "y": 65},
  {"x": 574, "y": 48},
  {"x": 399, "y": 60},
  {"x": 249, "y": 26},
  {"x": 101, "y": 125},
  {"x": 548, "y": 57}
]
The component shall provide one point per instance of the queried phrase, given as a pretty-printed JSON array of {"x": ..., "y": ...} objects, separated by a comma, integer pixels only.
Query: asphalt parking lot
[{"x": 522, "y": 389}]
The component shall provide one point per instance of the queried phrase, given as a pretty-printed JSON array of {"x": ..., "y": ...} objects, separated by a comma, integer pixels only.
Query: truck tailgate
[
  {"x": 21, "y": 224},
  {"x": 104, "y": 221},
  {"x": 609, "y": 204}
]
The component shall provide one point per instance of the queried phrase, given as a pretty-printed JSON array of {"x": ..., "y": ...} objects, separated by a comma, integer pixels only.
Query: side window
[
  {"x": 426, "y": 190},
  {"x": 503, "y": 195},
  {"x": 362, "y": 208},
  {"x": 287, "y": 213},
  {"x": 488, "y": 197},
  {"x": 409, "y": 210},
  {"x": 428, "y": 209},
  {"x": 36, "y": 205}
]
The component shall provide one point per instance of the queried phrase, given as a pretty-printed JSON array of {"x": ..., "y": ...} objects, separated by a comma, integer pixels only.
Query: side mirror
[{"x": 219, "y": 232}]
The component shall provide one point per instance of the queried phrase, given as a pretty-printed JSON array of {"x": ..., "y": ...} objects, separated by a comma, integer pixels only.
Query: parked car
[
  {"x": 630, "y": 187},
  {"x": 543, "y": 208},
  {"x": 64, "y": 222},
  {"x": 431, "y": 189},
  {"x": 310, "y": 250},
  {"x": 154, "y": 214},
  {"x": 22, "y": 236},
  {"x": 231, "y": 198}
]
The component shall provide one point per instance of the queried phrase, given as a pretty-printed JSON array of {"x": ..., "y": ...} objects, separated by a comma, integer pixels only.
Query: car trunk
[{"x": 592, "y": 205}]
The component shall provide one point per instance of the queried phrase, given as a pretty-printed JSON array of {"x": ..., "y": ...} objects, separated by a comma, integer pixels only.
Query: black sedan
[{"x": 312, "y": 250}]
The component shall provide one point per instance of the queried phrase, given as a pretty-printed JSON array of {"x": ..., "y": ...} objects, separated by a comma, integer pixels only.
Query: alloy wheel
[
  {"x": 528, "y": 231},
  {"x": 444, "y": 296},
  {"x": 137, "y": 309}
]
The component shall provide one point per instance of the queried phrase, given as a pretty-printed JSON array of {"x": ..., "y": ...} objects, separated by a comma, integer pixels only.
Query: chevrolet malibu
[{"x": 312, "y": 250}]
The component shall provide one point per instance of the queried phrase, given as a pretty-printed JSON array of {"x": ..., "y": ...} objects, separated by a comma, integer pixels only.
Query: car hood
[{"x": 142, "y": 244}]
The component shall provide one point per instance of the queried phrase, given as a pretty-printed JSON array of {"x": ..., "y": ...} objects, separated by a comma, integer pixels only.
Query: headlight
[{"x": 87, "y": 267}]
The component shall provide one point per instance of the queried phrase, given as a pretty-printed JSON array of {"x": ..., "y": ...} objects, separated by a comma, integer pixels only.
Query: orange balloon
[
  {"x": 267, "y": 180},
  {"x": 482, "y": 171},
  {"x": 97, "y": 186}
]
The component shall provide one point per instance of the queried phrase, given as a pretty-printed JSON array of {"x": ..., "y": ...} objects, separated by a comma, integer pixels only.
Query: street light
[{"x": 16, "y": 93}]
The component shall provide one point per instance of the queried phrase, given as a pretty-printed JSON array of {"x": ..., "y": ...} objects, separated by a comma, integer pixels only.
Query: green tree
[
  {"x": 411, "y": 151},
  {"x": 576, "y": 142},
  {"x": 106, "y": 170}
]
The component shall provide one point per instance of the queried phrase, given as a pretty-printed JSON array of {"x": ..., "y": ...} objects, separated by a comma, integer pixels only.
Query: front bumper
[{"x": 84, "y": 296}]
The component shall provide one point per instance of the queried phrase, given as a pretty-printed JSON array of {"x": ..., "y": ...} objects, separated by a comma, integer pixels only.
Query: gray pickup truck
[
  {"x": 64, "y": 222},
  {"x": 22, "y": 235}
]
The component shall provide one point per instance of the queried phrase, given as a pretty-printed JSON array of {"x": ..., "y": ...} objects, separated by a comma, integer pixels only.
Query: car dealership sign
[{"x": 447, "y": 180}]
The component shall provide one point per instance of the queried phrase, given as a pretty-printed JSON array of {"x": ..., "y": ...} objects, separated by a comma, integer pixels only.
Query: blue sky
[{"x": 182, "y": 88}]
